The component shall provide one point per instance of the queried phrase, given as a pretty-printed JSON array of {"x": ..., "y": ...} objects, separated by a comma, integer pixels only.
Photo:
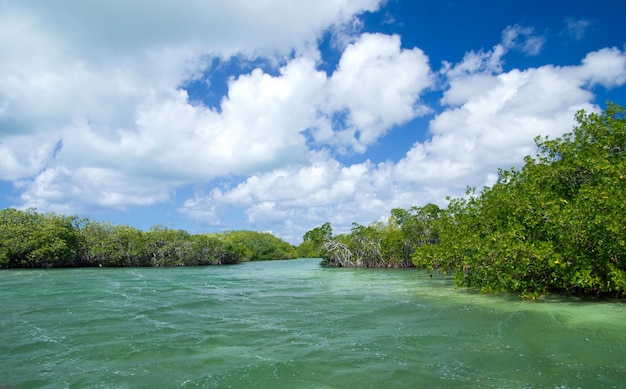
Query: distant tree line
[
  {"x": 558, "y": 225},
  {"x": 29, "y": 239}
]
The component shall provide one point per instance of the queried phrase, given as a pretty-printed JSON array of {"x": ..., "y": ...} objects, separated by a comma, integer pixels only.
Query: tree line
[
  {"x": 557, "y": 225},
  {"x": 29, "y": 239}
]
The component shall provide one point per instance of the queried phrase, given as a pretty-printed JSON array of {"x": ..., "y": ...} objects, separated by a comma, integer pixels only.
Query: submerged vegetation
[
  {"x": 558, "y": 225},
  {"x": 29, "y": 239}
]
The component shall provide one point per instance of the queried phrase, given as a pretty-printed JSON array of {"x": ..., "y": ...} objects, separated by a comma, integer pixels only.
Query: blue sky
[{"x": 280, "y": 115}]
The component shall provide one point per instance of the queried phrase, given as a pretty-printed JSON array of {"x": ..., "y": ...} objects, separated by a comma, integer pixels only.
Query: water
[{"x": 292, "y": 324}]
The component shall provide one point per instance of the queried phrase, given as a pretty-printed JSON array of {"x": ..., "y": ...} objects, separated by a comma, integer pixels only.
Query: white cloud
[
  {"x": 489, "y": 121},
  {"x": 45, "y": 43},
  {"x": 259, "y": 123},
  {"x": 21, "y": 157},
  {"x": 462, "y": 90},
  {"x": 486, "y": 62},
  {"x": 379, "y": 84},
  {"x": 523, "y": 39},
  {"x": 113, "y": 97},
  {"x": 158, "y": 134},
  {"x": 62, "y": 190},
  {"x": 606, "y": 67},
  {"x": 222, "y": 28},
  {"x": 514, "y": 37},
  {"x": 203, "y": 210},
  {"x": 302, "y": 197},
  {"x": 323, "y": 189},
  {"x": 258, "y": 126},
  {"x": 576, "y": 28}
]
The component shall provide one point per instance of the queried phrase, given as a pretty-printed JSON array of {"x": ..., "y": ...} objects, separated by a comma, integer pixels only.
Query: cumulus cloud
[
  {"x": 322, "y": 190},
  {"x": 606, "y": 67},
  {"x": 488, "y": 121},
  {"x": 379, "y": 84},
  {"x": 493, "y": 126},
  {"x": 490, "y": 117},
  {"x": 157, "y": 134},
  {"x": 223, "y": 28},
  {"x": 15, "y": 163},
  {"x": 59, "y": 189},
  {"x": 114, "y": 97},
  {"x": 481, "y": 62}
]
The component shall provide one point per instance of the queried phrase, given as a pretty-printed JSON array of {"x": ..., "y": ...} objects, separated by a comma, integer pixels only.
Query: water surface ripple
[{"x": 292, "y": 324}]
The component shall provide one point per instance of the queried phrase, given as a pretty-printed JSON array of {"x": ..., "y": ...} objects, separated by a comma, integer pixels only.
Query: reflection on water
[{"x": 293, "y": 324}]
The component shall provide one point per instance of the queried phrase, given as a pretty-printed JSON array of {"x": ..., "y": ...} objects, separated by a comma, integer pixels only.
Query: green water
[{"x": 292, "y": 324}]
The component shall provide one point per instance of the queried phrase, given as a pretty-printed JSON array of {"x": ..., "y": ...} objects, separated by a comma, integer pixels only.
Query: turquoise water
[{"x": 292, "y": 324}]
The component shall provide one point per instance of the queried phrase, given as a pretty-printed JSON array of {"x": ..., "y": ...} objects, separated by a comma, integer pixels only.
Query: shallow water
[{"x": 292, "y": 324}]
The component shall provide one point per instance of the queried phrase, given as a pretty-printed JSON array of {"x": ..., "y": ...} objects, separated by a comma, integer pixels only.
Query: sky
[{"x": 282, "y": 115}]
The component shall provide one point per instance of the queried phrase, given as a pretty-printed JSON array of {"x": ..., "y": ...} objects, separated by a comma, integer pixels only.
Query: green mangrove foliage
[
  {"x": 558, "y": 225},
  {"x": 261, "y": 246},
  {"x": 312, "y": 241},
  {"x": 29, "y": 239},
  {"x": 390, "y": 244}
]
